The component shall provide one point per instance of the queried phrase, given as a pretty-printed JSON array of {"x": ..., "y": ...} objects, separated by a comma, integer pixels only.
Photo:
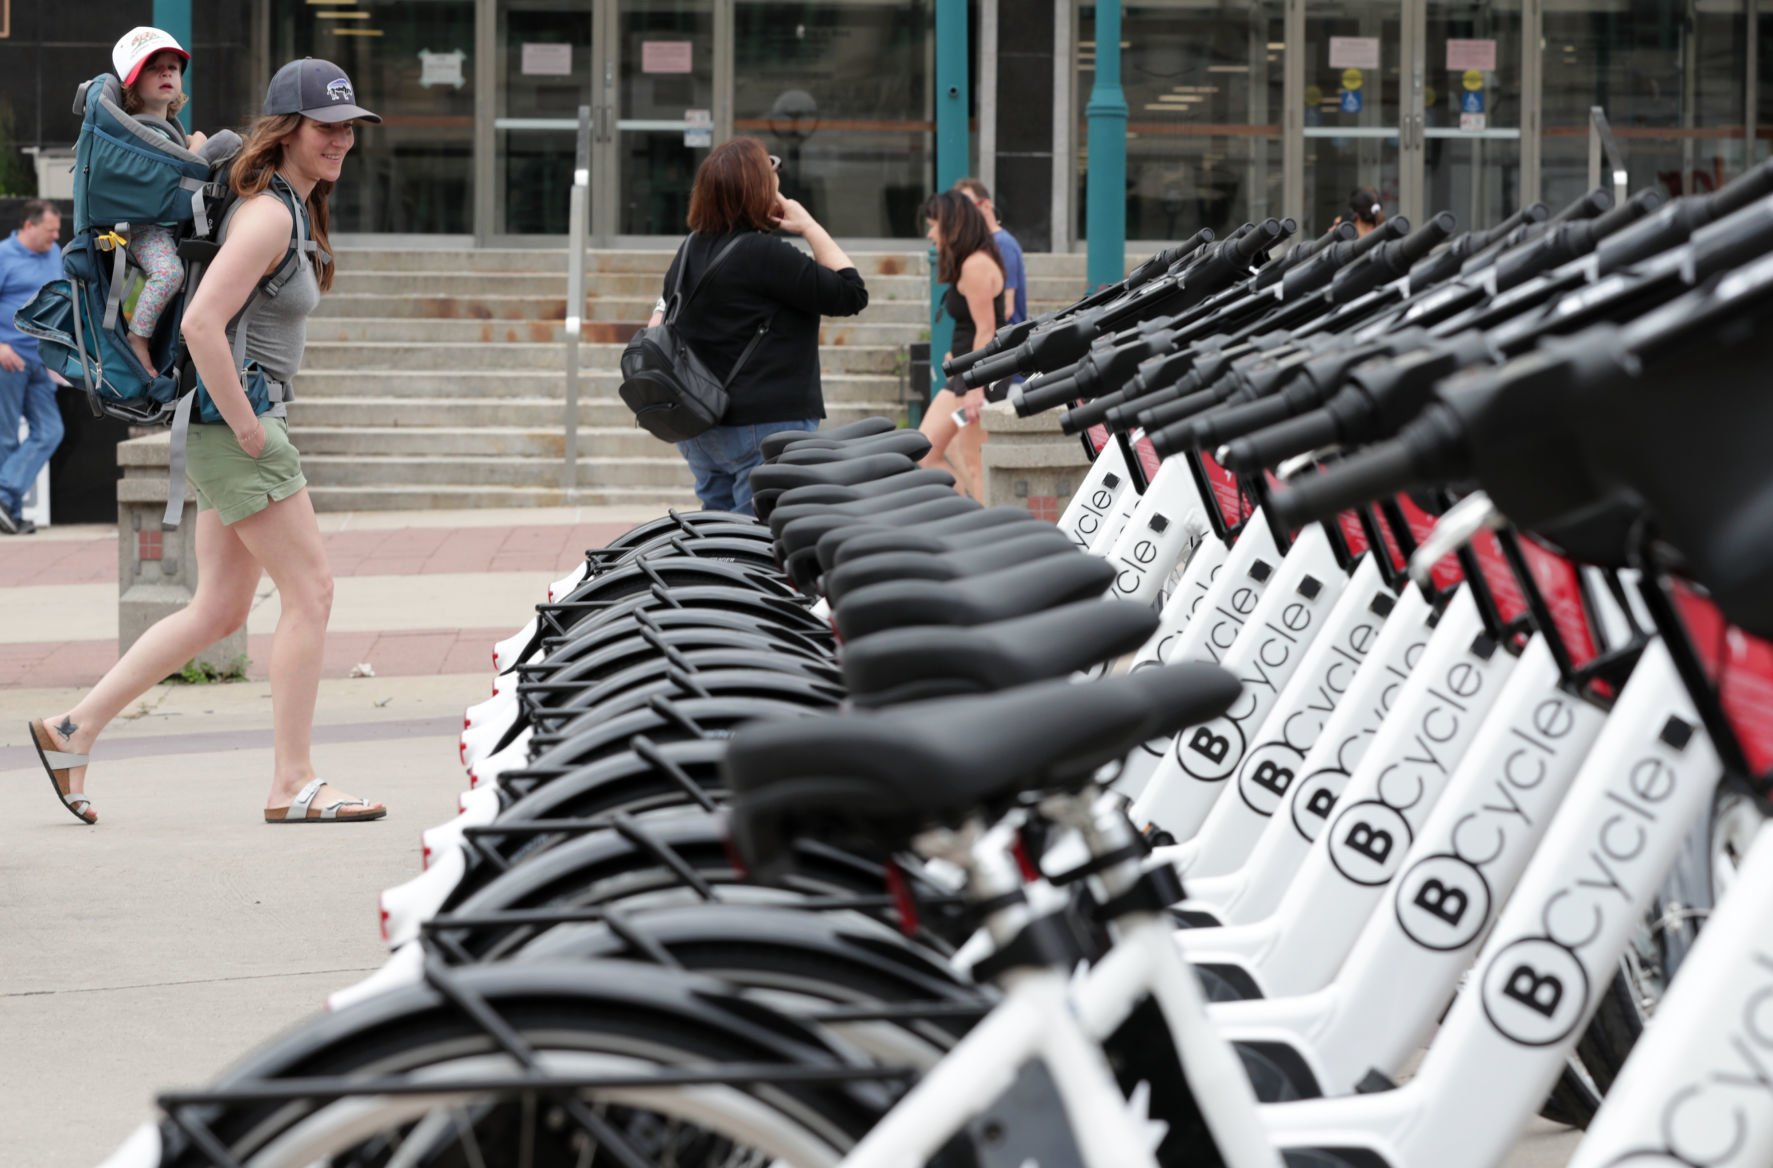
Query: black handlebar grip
[
  {"x": 1274, "y": 445},
  {"x": 1221, "y": 426},
  {"x": 1038, "y": 397},
  {"x": 1258, "y": 239},
  {"x": 992, "y": 368},
  {"x": 1372, "y": 474},
  {"x": 1595, "y": 202},
  {"x": 1628, "y": 212}
]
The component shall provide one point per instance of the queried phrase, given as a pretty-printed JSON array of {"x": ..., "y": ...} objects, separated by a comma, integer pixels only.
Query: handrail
[
  {"x": 575, "y": 294},
  {"x": 1605, "y": 159}
]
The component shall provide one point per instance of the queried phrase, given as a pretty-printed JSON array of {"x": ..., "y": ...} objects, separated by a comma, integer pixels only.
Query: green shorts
[{"x": 234, "y": 483}]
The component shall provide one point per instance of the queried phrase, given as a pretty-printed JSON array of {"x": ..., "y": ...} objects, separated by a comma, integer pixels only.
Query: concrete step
[
  {"x": 477, "y": 285},
  {"x": 422, "y": 415},
  {"x": 517, "y": 309},
  {"x": 460, "y": 498},
  {"x": 599, "y": 382},
  {"x": 664, "y": 469},
  {"x": 445, "y": 261},
  {"x": 473, "y": 358},
  {"x": 863, "y": 330}
]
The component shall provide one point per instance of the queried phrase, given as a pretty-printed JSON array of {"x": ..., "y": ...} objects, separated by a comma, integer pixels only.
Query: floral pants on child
[{"x": 157, "y": 255}]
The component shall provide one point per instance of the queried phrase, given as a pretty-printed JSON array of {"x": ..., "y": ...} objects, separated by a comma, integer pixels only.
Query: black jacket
[{"x": 764, "y": 275}]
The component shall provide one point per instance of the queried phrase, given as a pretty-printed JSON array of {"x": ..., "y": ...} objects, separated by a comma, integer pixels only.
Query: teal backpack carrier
[{"x": 128, "y": 174}]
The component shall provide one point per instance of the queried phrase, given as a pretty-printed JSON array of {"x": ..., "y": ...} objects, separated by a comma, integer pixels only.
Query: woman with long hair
[
  {"x": 254, "y": 513},
  {"x": 967, "y": 261},
  {"x": 753, "y": 302}
]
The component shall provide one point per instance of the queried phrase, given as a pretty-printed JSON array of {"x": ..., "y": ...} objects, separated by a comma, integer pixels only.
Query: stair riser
[
  {"x": 334, "y": 499},
  {"x": 499, "y": 309},
  {"x": 475, "y": 285},
  {"x": 441, "y": 263},
  {"x": 470, "y": 358},
  {"x": 545, "y": 447},
  {"x": 606, "y": 471},
  {"x": 594, "y": 384},
  {"x": 420, "y": 332},
  {"x": 345, "y": 413}
]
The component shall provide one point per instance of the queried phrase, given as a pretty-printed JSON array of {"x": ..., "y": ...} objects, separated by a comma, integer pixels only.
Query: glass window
[
  {"x": 843, "y": 92},
  {"x": 1673, "y": 88},
  {"x": 411, "y": 62},
  {"x": 667, "y": 54},
  {"x": 1471, "y": 147},
  {"x": 545, "y": 65},
  {"x": 1203, "y": 90},
  {"x": 1351, "y": 110}
]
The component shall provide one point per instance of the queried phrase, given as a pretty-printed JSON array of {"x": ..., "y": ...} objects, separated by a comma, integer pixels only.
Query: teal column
[
  {"x": 174, "y": 16},
  {"x": 1105, "y": 197},
  {"x": 952, "y": 151}
]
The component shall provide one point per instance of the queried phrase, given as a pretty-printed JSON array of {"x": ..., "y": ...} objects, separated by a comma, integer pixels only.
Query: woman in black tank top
[{"x": 967, "y": 261}]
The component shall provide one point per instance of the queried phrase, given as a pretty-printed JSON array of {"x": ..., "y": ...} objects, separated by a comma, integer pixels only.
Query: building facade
[{"x": 1237, "y": 110}]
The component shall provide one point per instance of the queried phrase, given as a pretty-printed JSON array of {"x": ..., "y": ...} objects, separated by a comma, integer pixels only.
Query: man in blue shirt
[
  {"x": 1015, "y": 271},
  {"x": 29, "y": 259}
]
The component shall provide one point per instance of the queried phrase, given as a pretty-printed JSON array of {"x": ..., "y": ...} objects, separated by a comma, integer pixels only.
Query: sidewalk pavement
[{"x": 151, "y": 952}]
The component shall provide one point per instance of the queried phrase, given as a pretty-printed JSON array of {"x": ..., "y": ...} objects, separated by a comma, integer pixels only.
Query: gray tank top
[{"x": 277, "y": 327}]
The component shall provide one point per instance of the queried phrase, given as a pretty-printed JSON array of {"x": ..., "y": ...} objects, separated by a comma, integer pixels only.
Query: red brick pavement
[
  {"x": 400, "y": 552},
  {"x": 411, "y": 551}
]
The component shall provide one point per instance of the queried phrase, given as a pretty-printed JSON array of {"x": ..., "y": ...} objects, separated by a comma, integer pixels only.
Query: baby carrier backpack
[{"x": 129, "y": 175}]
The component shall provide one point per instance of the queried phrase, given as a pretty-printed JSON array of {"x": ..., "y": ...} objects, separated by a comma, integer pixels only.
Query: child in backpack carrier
[{"x": 151, "y": 65}]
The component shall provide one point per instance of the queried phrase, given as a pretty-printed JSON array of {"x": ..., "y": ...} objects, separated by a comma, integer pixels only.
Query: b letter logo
[
  {"x": 1535, "y": 992},
  {"x": 1443, "y": 903}
]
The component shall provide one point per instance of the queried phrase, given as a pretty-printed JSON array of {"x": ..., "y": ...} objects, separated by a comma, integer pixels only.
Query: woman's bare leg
[
  {"x": 227, "y": 575},
  {"x": 285, "y": 538},
  {"x": 938, "y": 426},
  {"x": 968, "y": 452}
]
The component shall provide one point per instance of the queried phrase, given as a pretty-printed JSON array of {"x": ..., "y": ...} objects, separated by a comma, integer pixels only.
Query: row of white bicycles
[{"x": 1371, "y": 758}]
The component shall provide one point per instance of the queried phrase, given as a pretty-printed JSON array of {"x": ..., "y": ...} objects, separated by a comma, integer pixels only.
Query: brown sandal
[{"x": 57, "y": 764}]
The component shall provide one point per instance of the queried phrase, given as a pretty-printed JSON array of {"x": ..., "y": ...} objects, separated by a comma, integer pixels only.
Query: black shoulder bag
[{"x": 670, "y": 390}]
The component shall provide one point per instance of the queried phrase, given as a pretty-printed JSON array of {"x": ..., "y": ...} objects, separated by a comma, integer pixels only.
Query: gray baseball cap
[{"x": 316, "y": 89}]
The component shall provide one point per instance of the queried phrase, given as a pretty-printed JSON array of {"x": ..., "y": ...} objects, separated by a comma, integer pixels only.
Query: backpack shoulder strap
[{"x": 682, "y": 302}]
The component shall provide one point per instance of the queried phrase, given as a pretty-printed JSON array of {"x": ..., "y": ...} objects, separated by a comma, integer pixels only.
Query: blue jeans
[
  {"x": 723, "y": 458},
  {"x": 31, "y": 395}
]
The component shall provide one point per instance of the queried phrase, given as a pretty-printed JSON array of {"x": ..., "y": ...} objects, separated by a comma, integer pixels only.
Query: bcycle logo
[
  {"x": 1709, "y": 1123},
  {"x": 1269, "y": 769},
  {"x": 1535, "y": 992},
  {"x": 1444, "y": 900},
  {"x": 1314, "y": 796},
  {"x": 1140, "y": 560},
  {"x": 1369, "y": 838},
  {"x": 1094, "y": 511},
  {"x": 1210, "y": 752}
]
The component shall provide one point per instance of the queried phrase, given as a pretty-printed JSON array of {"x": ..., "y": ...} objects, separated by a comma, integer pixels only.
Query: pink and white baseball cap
[{"x": 135, "y": 47}]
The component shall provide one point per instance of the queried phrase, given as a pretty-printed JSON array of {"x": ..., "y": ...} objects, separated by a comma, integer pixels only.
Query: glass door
[
  {"x": 662, "y": 94},
  {"x": 1354, "y": 57},
  {"x": 1472, "y": 99},
  {"x": 545, "y": 62}
]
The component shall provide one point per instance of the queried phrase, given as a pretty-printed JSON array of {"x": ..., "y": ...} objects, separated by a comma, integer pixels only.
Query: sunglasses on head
[{"x": 775, "y": 162}]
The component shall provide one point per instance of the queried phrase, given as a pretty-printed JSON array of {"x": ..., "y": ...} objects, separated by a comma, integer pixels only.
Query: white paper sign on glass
[
  {"x": 1354, "y": 52},
  {"x": 540, "y": 60},
  {"x": 1471, "y": 54},
  {"x": 665, "y": 56}
]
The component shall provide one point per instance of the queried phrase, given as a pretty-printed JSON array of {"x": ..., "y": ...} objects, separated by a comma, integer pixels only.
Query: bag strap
[
  {"x": 750, "y": 348},
  {"x": 678, "y": 301}
]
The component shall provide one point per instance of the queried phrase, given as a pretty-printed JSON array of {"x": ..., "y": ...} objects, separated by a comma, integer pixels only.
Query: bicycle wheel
[{"x": 631, "y": 1023}]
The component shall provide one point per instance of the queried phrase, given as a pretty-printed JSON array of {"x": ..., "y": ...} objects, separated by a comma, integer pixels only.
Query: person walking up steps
[{"x": 254, "y": 513}]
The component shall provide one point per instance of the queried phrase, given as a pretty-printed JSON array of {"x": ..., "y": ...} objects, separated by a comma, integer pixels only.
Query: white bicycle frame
[
  {"x": 1553, "y": 951},
  {"x": 1403, "y": 969},
  {"x": 1098, "y": 497},
  {"x": 1696, "y": 1088},
  {"x": 1343, "y": 879}
]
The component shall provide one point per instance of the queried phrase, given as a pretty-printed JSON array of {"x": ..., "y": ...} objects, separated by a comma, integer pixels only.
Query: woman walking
[
  {"x": 254, "y": 513},
  {"x": 968, "y": 262},
  {"x": 749, "y": 296}
]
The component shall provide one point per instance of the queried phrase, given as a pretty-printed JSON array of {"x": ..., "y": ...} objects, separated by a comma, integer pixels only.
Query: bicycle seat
[
  {"x": 955, "y": 564},
  {"x": 917, "y": 664},
  {"x": 797, "y": 546},
  {"x": 969, "y": 526},
  {"x": 907, "y": 442},
  {"x": 881, "y": 777},
  {"x": 770, "y": 480},
  {"x": 773, "y": 444},
  {"x": 986, "y": 599},
  {"x": 872, "y": 543},
  {"x": 922, "y": 477},
  {"x": 785, "y": 513}
]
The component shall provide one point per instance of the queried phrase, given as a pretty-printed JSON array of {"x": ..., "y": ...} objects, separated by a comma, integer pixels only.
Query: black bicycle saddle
[
  {"x": 773, "y": 445},
  {"x": 797, "y": 547},
  {"x": 770, "y": 480},
  {"x": 986, "y": 599},
  {"x": 918, "y": 664},
  {"x": 885, "y": 540},
  {"x": 971, "y": 525},
  {"x": 785, "y": 513},
  {"x": 953, "y": 564},
  {"x": 881, "y": 777},
  {"x": 907, "y": 442},
  {"x": 922, "y": 477}
]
